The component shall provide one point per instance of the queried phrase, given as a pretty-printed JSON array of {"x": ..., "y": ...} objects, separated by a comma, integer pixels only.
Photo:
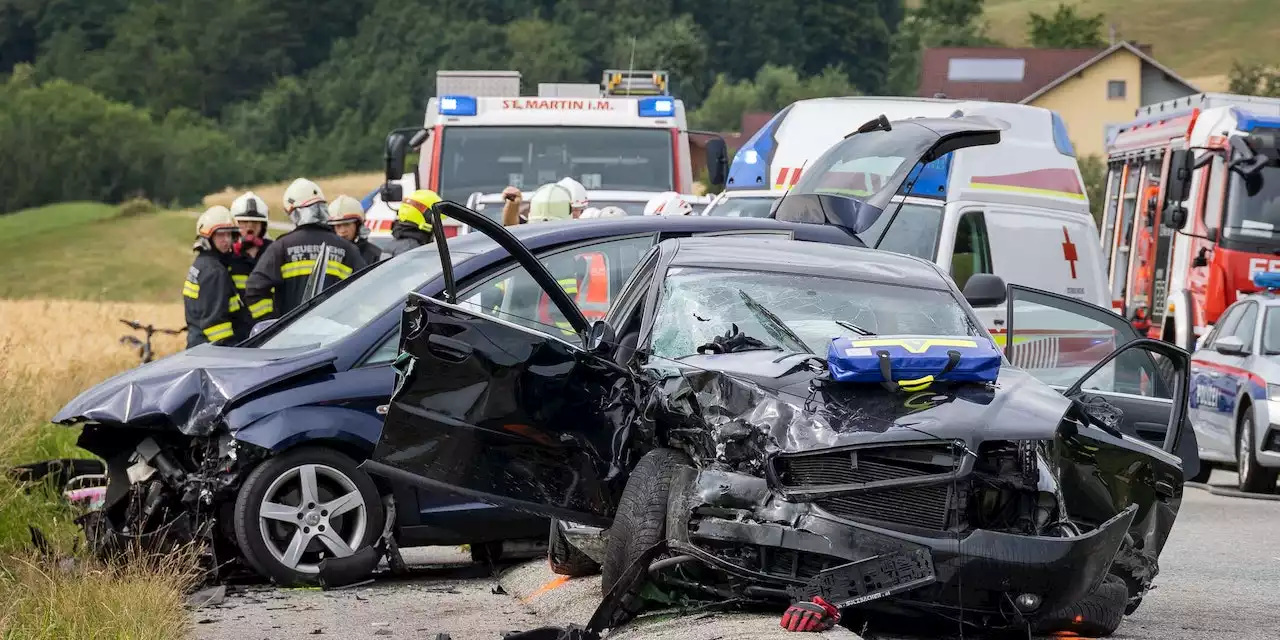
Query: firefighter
[
  {"x": 250, "y": 213},
  {"x": 279, "y": 280},
  {"x": 215, "y": 313},
  {"x": 578, "y": 196},
  {"x": 412, "y": 229},
  {"x": 347, "y": 217},
  {"x": 668, "y": 204}
]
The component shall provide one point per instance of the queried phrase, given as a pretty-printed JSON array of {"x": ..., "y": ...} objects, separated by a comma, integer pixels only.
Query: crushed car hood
[
  {"x": 189, "y": 390},
  {"x": 748, "y": 403}
]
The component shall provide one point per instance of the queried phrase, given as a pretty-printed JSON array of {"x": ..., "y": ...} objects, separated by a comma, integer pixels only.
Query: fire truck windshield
[
  {"x": 487, "y": 159},
  {"x": 1253, "y": 205}
]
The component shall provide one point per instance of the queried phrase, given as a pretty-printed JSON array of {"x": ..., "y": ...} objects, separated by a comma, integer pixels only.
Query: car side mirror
[
  {"x": 717, "y": 162},
  {"x": 397, "y": 149},
  {"x": 1175, "y": 216},
  {"x": 261, "y": 326},
  {"x": 601, "y": 339},
  {"x": 1181, "y": 164},
  {"x": 1229, "y": 345},
  {"x": 392, "y": 192},
  {"x": 985, "y": 290}
]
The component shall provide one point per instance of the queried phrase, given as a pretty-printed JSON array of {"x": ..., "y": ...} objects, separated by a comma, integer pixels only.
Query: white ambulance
[{"x": 1016, "y": 208}]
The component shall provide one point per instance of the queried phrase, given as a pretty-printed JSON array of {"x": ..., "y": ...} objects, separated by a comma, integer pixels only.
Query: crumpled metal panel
[
  {"x": 735, "y": 409},
  {"x": 189, "y": 390}
]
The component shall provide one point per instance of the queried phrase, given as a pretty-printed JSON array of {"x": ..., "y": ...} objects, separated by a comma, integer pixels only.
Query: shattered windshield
[
  {"x": 363, "y": 300},
  {"x": 699, "y": 304}
]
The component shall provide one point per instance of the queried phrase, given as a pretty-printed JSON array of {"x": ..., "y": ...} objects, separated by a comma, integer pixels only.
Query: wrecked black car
[{"x": 702, "y": 412}]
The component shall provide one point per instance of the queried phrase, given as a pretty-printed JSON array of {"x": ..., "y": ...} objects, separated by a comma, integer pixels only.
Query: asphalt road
[{"x": 1220, "y": 578}]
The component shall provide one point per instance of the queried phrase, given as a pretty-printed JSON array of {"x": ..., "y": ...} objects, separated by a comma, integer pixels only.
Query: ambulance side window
[{"x": 973, "y": 249}]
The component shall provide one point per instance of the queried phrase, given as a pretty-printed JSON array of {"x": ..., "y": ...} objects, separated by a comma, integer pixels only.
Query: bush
[{"x": 136, "y": 207}]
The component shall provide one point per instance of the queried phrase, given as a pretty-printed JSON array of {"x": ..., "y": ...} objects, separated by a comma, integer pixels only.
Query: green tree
[
  {"x": 1254, "y": 79},
  {"x": 1066, "y": 29},
  {"x": 1094, "y": 172},
  {"x": 543, "y": 52},
  {"x": 772, "y": 89},
  {"x": 935, "y": 23},
  {"x": 677, "y": 46}
]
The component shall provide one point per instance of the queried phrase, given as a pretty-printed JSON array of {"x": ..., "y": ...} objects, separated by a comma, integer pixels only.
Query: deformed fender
[{"x": 285, "y": 428}]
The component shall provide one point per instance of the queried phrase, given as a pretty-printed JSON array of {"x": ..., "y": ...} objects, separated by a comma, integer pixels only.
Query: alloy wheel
[{"x": 310, "y": 512}]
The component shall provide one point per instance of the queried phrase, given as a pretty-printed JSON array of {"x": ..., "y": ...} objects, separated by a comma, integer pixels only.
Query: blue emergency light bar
[
  {"x": 457, "y": 106},
  {"x": 1266, "y": 280},
  {"x": 657, "y": 107}
]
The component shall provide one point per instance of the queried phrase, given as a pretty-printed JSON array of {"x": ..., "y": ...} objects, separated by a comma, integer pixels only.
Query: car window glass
[
  {"x": 1135, "y": 372},
  {"x": 1226, "y": 324},
  {"x": 698, "y": 304},
  {"x": 363, "y": 300},
  {"x": 591, "y": 274},
  {"x": 914, "y": 231},
  {"x": 753, "y": 207},
  {"x": 1271, "y": 332},
  {"x": 386, "y": 351},
  {"x": 1058, "y": 340},
  {"x": 1245, "y": 328},
  {"x": 972, "y": 252}
]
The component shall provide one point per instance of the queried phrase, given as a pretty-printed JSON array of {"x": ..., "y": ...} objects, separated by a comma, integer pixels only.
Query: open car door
[
  {"x": 853, "y": 184},
  {"x": 503, "y": 413},
  {"x": 1135, "y": 388}
]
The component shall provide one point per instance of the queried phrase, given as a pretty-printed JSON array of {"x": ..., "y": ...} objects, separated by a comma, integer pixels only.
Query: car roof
[
  {"x": 541, "y": 234},
  {"x": 778, "y": 255}
]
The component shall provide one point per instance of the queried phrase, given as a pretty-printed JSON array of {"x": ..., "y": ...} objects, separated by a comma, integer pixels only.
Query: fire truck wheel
[{"x": 1254, "y": 478}]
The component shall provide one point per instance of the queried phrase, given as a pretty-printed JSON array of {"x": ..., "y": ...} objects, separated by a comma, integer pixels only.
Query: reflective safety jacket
[
  {"x": 215, "y": 312},
  {"x": 242, "y": 264},
  {"x": 279, "y": 280}
]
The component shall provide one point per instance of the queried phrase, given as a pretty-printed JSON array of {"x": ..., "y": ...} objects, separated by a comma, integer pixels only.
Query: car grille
[
  {"x": 921, "y": 506},
  {"x": 924, "y": 507}
]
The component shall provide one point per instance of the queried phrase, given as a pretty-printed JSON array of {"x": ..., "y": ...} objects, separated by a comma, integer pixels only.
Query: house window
[
  {"x": 1115, "y": 90},
  {"x": 986, "y": 69}
]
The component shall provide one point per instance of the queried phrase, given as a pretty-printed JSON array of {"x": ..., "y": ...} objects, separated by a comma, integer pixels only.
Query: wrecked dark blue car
[{"x": 255, "y": 449}]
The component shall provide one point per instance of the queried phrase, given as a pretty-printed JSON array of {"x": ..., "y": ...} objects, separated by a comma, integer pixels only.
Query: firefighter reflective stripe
[
  {"x": 233, "y": 305},
  {"x": 191, "y": 290},
  {"x": 302, "y": 269},
  {"x": 240, "y": 279},
  {"x": 217, "y": 332},
  {"x": 261, "y": 308},
  {"x": 570, "y": 285}
]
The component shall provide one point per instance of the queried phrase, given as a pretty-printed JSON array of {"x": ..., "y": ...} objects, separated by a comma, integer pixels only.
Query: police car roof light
[
  {"x": 657, "y": 108},
  {"x": 457, "y": 106},
  {"x": 1268, "y": 280}
]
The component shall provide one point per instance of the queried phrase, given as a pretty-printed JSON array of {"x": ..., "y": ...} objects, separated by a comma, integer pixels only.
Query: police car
[{"x": 1235, "y": 390}]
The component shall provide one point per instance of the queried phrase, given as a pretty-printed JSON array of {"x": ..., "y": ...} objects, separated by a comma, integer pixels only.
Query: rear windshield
[{"x": 915, "y": 230}]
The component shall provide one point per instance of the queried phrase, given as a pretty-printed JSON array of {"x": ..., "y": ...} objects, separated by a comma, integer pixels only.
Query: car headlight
[{"x": 1273, "y": 392}]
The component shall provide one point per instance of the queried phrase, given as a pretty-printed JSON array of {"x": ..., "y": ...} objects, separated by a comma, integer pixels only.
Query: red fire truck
[{"x": 1192, "y": 210}]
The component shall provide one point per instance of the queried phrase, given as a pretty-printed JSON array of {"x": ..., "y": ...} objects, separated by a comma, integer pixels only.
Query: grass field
[
  {"x": 1194, "y": 37},
  {"x": 85, "y": 251},
  {"x": 355, "y": 185}
]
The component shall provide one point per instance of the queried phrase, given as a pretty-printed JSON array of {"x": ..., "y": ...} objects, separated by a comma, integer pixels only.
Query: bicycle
[{"x": 144, "y": 347}]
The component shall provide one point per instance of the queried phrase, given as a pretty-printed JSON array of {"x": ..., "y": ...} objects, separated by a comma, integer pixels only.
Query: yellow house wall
[{"x": 1082, "y": 101}]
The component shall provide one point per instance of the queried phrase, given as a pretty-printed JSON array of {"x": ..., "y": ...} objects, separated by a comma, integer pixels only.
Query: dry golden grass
[
  {"x": 355, "y": 185},
  {"x": 51, "y": 351},
  {"x": 140, "y": 599}
]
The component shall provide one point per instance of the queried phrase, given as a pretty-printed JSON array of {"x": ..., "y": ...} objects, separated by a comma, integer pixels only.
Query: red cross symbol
[{"x": 1069, "y": 251}]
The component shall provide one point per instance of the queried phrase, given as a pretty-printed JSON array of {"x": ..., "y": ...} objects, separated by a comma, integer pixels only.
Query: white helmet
[
  {"x": 249, "y": 208},
  {"x": 668, "y": 204},
  {"x": 214, "y": 219},
  {"x": 577, "y": 193},
  {"x": 344, "y": 208},
  {"x": 305, "y": 203},
  {"x": 611, "y": 212},
  {"x": 589, "y": 212},
  {"x": 551, "y": 202}
]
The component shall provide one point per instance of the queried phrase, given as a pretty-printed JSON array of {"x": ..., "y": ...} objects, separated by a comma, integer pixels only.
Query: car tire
[
  {"x": 1253, "y": 477},
  {"x": 1098, "y": 615},
  {"x": 639, "y": 523},
  {"x": 566, "y": 559},
  {"x": 268, "y": 536}
]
